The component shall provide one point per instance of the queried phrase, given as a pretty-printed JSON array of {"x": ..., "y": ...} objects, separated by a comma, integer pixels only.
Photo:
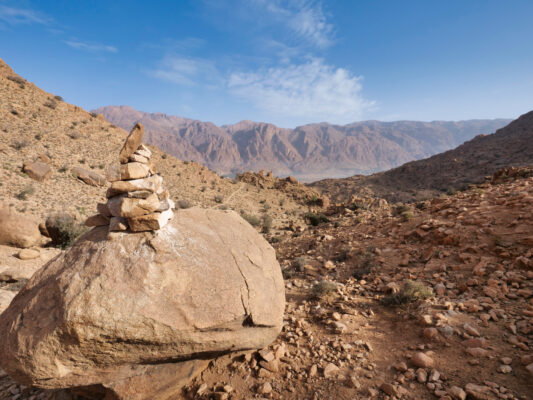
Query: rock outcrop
[{"x": 17, "y": 230}]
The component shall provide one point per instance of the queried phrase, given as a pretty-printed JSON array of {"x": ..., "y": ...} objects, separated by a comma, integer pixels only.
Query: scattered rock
[
  {"x": 37, "y": 170},
  {"x": 17, "y": 230},
  {"x": 28, "y": 254},
  {"x": 89, "y": 177},
  {"x": 422, "y": 360}
]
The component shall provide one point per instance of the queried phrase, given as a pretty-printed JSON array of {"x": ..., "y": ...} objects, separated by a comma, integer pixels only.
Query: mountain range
[
  {"x": 469, "y": 163},
  {"x": 309, "y": 152}
]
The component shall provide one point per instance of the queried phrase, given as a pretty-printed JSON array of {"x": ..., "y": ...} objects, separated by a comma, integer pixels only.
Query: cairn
[{"x": 136, "y": 198}]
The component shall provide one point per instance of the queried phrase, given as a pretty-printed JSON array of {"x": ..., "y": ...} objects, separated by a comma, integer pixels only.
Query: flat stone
[
  {"x": 28, "y": 254},
  {"x": 153, "y": 184},
  {"x": 138, "y": 158},
  {"x": 144, "y": 151},
  {"x": 150, "y": 222},
  {"x": 97, "y": 220},
  {"x": 89, "y": 177},
  {"x": 134, "y": 170},
  {"x": 133, "y": 141},
  {"x": 139, "y": 194},
  {"x": 37, "y": 170},
  {"x": 123, "y": 206}
]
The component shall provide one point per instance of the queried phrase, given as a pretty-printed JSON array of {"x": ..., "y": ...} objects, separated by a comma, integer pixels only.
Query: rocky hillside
[
  {"x": 53, "y": 156},
  {"x": 308, "y": 152},
  {"x": 453, "y": 170},
  {"x": 432, "y": 301}
]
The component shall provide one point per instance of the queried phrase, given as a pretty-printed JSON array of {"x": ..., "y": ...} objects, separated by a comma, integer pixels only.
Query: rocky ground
[
  {"x": 425, "y": 300},
  {"x": 432, "y": 300}
]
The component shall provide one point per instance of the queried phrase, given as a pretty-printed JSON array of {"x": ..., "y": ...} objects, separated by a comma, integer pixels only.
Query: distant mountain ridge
[
  {"x": 471, "y": 162},
  {"x": 308, "y": 152}
]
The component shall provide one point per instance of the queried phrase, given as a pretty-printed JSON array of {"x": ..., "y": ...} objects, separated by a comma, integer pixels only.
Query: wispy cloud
[
  {"x": 305, "y": 18},
  {"x": 92, "y": 47},
  {"x": 16, "y": 16},
  {"x": 186, "y": 71},
  {"x": 303, "y": 92}
]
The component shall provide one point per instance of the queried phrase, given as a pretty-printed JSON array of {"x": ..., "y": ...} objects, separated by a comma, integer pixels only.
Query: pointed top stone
[{"x": 133, "y": 141}]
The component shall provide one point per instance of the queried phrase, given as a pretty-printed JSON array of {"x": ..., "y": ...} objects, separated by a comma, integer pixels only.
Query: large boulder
[
  {"x": 204, "y": 285},
  {"x": 17, "y": 230}
]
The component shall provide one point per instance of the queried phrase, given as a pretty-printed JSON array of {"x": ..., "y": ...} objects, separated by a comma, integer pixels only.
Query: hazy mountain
[
  {"x": 308, "y": 152},
  {"x": 454, "y": 169}
]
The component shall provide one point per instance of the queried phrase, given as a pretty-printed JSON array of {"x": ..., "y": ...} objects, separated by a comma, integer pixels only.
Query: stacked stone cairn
[{"x": 137, "y": 200}]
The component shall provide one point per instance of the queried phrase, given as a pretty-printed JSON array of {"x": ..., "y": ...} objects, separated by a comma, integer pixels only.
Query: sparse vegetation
[
  {"x": 38, "y": 136},
  {"x": 300, "y": 262},
  {"x": 410, "y": 292},
  {"x": 219, "y": 198},
  {"x": 267, "y": 223},
  {"x": 323, "y": 289},
  {"x": 252, "y": 219},
  {"x": 17, "y": 79},
  {"x": 58, "y": 98},
  {"x": 74, "y": 135},
  {"x": 316, "y": 219},
  {"x": 19, "y": 144},
  {"x": 51, "y": 103},
  {"x": 183, "y": 203},
  {"x": 64, "y": 230},
  {"x": 24, "y": 193},
  {"x": 407, "y": 215}
]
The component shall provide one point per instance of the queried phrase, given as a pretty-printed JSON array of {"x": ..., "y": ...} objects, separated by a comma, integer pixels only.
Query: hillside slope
[
  {"x": 454, "y": 169},
  {"x": 308, "y": 152},
  {"x": 35, "y": 125}
]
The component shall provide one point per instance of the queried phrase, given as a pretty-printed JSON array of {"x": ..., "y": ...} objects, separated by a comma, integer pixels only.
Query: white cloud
[
  {"x": 15, "y": 16},
  {"x": 186, "y": 71},
  {"x": 308, "y": 92},
  {"x": 93, "y": 47},
  {"x": 306, "y": 18}
]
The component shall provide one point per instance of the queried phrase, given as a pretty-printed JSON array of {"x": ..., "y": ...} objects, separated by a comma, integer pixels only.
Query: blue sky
[{"x": 285, "y": 62}]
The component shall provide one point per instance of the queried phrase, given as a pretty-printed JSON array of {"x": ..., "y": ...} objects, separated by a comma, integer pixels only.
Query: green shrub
[
  {"x": 316, "y": 219},
  {"x": 51, "y": 103},
  {"x": 252, "y": 219},
  {"x": 323, "y": 288},
  {"x": 24, "y": 193},
  {"x": 410, "y": 292},
  {"x": 20, "y": 144},
  {"x": 17, "y": 79},
  {"x": 267, "y": 223},
  {"x": 58, "y": 98},
  {"x": 64, "y": 230},
  {"x": 407, "y": 215}
]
